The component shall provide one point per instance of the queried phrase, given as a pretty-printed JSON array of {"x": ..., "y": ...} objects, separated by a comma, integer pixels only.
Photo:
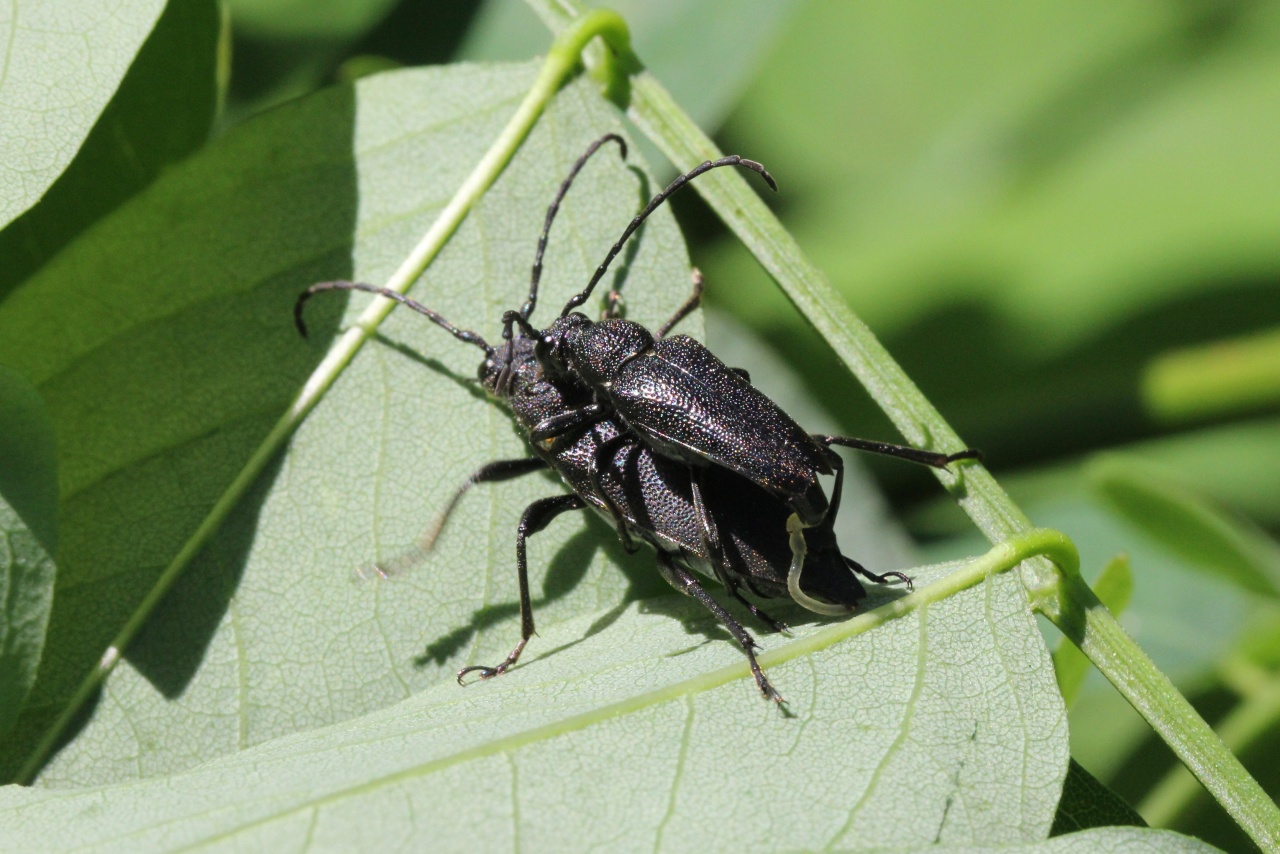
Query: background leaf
[
  {"x": 28, "y": 538},
  {"x": 161, "y": 112},
  {"x": 1199, "y": 533},
  {"x": 26, "y": 592},
  {"x": 62, "y": 62},
  {"x": 1087, "y": 803}
]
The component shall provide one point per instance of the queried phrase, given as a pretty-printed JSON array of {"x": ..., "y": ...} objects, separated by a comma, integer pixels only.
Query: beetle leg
[
  {"x": 493, "y": 472},
  {"x": 558, "y": 425},
  {"x": 686, "y": 308},
  {"x": 762, "y": 615},
  {"x": 604, "y": 451},
  {"x": 708, "y": 531},
  {"x": 536, "y": 517},
  {"x": 681, "y": 579},
  {"x": 710, "y": 534},
  {"x": 612, "y": 300},
  {"x": 902, "y": 452},
  {"x": 879, "y": 579}
]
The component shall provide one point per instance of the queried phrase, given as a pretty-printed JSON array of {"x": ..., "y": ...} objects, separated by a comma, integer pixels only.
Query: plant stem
[
  {"x": 1060, "y": 593},
  {"x": 1255, "y": 716},
  {"x": 1075, "y": 610},
  {"x": 561, "y": 61}
]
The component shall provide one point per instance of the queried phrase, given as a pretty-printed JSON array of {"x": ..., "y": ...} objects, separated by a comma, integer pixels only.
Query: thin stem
[
  {"x": 562, "y": 59},
  {"x": 1254, "y": 717}
]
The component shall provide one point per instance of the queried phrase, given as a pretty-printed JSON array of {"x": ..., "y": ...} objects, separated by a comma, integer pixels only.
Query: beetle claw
[{"x": 485, "y": 672}]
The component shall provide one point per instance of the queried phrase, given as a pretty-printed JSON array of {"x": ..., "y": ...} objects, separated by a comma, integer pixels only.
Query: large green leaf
[
  {"x": 932, "y": 729},
  {"x": 61, "y": 61},
  {"x": 285, "y": 674},
  {"x": 160, "y": 113}
]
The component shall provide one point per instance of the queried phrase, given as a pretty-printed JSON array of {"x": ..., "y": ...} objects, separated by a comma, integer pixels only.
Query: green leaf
[
  {"x": 29, "y": 476},
  {"x": 62, "y": 61},
  {"x": 1202, "y": 535},
  {"x": 285, "y": 678},
  {"x": 1088, "y": 803},
  {"x": 1124, "y": 839},
  {"x": 161, "y": 112},
  {"x": 534, "y": 757},
  {"x": 308, "y": 19}
]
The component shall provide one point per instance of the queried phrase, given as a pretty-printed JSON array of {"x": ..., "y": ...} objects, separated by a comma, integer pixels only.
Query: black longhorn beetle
[{"x": 669, "y": 445}]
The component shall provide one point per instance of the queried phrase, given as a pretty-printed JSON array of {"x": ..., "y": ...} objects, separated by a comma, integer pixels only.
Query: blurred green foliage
[{"x": 1061, "y": 217}]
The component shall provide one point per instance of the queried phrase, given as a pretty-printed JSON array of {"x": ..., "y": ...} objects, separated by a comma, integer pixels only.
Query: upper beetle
[{"x": 682, "y": 400}]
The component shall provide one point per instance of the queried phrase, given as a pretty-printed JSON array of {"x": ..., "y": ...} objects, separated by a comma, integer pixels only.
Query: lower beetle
[
  {"x": 653, "y": 498},
  {"x": 701, "y": 516}
]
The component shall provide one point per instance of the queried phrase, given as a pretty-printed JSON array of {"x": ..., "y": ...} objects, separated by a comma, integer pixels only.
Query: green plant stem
[
  {"x": 1060, "y": 593},
  {"x": 561, "y": 61},
  {"x": 1076, "y": 612},
  {"x": 1255, "y": 716},
  {"x": 1113, "y": 587}
]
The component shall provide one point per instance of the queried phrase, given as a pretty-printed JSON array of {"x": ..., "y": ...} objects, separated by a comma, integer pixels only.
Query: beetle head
[
  {"x": 509, "y": 368},
  {"x": 558, "y": 341}
]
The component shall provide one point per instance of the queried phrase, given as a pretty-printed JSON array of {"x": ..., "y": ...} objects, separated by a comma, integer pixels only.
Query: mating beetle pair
[{"x": 669, "y": 445}]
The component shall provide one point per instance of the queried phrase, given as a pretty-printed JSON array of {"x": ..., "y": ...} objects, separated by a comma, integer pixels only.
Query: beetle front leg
[
  {"x": 558, "y": 425},
  {"x": 498, "y": 470},
  {"x": 682, "y": 580},
  {"x": 694, "y": 300},
  {"x": 536, "y": 517}
]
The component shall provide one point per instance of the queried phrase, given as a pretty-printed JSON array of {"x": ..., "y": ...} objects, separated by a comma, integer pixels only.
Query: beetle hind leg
[
  {"x": 884, "y": 578},
  {"x": 681, "y": 579}
]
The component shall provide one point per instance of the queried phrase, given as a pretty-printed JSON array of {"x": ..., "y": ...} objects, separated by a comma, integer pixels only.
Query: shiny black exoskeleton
[
  {"x": 734, "y": 531},
  {"x": 688, "y": 405},
  {"x": 667, "y": 443}
]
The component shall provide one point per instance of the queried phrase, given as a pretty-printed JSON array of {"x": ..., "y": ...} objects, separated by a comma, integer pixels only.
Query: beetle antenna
[
  {"x": 672, "y": 188},
  {"x": 527, "y": 309},
  {"x": 461, "y": 334}
]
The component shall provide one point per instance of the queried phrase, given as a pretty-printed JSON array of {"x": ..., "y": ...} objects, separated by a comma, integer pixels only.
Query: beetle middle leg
[
  {"x": 681, "y": 579},
  {"x": 902, "y": 452},
  {"x": 710, "y": 534},
  {"x": 536, "y": 517},
  {"x": 605, "y": 452}
]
